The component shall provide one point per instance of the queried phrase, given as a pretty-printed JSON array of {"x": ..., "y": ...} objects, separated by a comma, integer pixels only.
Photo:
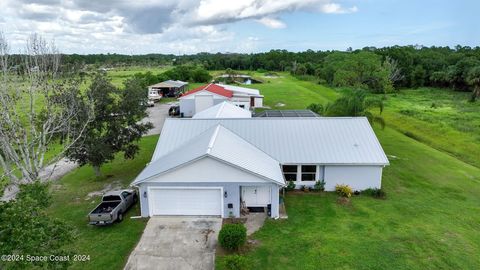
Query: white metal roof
[
  {"x": 221, "y": 144},
  {"x": 241, "y": 90},
  {"x": 169, "y": 83},
  {"x": 223, "y": 110},
  {"x": 320, "y": 140}
]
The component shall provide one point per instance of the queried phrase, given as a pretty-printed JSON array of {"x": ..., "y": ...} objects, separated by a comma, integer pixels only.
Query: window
[
  {"x": 308, "y": 172},
  {"x": 290, "y": 172},
  {"x": 242, "y": 106}
]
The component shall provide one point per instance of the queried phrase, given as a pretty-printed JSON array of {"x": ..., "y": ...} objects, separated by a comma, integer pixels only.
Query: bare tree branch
[{"x": 36, "y": 110}]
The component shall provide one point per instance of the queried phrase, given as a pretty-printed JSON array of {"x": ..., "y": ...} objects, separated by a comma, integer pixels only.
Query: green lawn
[
  {"x": 428, "y": 221},
  {"x": 108, "y": 247}
]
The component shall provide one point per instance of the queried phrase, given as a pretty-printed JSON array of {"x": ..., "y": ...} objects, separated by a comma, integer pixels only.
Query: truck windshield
[{"x": 111, "y": 198}]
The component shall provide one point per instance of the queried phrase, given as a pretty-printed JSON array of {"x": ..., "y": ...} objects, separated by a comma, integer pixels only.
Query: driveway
[
  {"x": 156, "y": 116},
  {"x": 177, "y": 243}
]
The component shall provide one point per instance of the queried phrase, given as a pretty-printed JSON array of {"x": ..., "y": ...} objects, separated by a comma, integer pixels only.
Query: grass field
[
  {"x": 109, "y": 246},
  {"x": 441, "y": 118}
]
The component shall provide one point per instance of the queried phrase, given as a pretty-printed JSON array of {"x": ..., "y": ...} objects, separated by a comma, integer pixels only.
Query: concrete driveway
[
  {"x": 177, "y": 243},
  {"x": 156, "y": 116}
]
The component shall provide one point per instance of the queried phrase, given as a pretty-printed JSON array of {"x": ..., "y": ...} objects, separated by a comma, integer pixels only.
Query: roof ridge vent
[{"x": 212, "y": 139}]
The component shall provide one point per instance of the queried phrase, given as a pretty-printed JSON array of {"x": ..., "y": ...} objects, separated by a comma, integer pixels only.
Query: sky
[{"x": 245, "y": 26}]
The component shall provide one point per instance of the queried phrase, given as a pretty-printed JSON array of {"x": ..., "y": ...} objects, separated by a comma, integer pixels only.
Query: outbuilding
[{"x": 206, "y": 96}]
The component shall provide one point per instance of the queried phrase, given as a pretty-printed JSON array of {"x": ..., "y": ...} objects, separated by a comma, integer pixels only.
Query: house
[
  {"x": 208, "y": 95},
  {"x": 168, "y": 88},
  {"x": 223, "y": 110},
  {"x": 216, "y": 166}
]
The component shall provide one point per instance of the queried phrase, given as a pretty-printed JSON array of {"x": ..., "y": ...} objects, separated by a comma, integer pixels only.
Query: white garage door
[{"x": 185, "y": 201}]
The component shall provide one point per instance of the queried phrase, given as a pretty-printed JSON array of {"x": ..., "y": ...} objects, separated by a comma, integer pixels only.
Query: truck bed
[{"x": 105, "y": 207}]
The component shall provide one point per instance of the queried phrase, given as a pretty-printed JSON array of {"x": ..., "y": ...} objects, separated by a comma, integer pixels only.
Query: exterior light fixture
[
  {"x": 144, "y": 194},
  {"x": 225, "y": 194}
]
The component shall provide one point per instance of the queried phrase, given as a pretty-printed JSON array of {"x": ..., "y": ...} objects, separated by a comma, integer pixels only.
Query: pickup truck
[{"x": 113, "y": 206}]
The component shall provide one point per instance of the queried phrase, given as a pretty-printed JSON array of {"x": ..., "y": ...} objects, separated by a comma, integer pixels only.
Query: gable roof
[
  {"x": 169, "y": 83},
  {"x": 213, "y": 88},
  {"x": 221, "y": 144},
  {"x": 223, "y": 110},
  {"x": 312, "y": 140}
]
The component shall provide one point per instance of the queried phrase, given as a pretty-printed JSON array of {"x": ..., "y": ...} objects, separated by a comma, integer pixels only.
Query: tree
[
  {"x": 393, "y": 69},
  {"x": 316, "y": 108},
  {"x": 116, "y": 125},
  {"x": 37, "y": 108},
  {"x": 27, "y": 229},
  {"x": 357, "y": 103},
  {"x": 473, "y": 79}
]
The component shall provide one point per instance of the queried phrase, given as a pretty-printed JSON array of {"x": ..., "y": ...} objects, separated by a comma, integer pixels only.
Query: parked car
[
  {"x": 174, "y": 110},
  {"x": 113, "y": 207}
]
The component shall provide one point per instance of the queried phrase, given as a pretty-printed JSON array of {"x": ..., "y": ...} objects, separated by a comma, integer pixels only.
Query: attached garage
[{"x": 195, "y": 201}]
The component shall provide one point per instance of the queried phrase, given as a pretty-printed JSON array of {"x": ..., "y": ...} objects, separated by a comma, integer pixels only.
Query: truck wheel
[{"x": 120, "y": 217}]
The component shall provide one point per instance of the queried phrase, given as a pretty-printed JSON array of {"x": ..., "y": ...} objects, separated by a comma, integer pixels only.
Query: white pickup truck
[{"x": 113, "y": 207}]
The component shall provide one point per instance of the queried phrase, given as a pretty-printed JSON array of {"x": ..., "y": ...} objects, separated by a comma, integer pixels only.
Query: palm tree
[
  {"x": 473, "y": 79},
  {"x": 357, "y": 103}
]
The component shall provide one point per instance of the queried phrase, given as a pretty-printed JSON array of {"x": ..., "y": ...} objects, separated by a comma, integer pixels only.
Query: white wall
[
  {"x": 258, "y": 102},
  {"x": 203, "y": 102},
  {"x": 357, "y": 177},
  {"x": 208, "y": 170},
  {"x": 187, "y": 107}
]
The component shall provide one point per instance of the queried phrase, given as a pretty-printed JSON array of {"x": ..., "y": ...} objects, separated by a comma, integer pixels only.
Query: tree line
[{"x": 376, "y": 69}]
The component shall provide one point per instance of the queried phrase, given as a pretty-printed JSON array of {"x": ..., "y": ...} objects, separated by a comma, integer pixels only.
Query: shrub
[
  {"x": 303, "y": 188},
  {"x": 290, "y": 186},
  {"x": 235, "y": 262},
  {"x": 343, "y": 190},
  {"x": 319, "y": 185},
  {"x": 375, "y": 192},
  {"x": 232, "y": 236}
]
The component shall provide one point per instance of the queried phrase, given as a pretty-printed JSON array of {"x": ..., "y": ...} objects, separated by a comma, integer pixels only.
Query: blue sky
[
  {"x": 191, "y": 26},
  {"x": 376, "y": 23}
]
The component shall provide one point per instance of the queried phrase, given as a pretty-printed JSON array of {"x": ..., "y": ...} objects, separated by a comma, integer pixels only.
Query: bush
[
  {"x": 235, "y": 262},
  {"x": 290, "y": 186},
  {"x": 344, "y": 190},
  {"x": 232, "y": 236},
  {"x": 319, "y": 185},
  {"x": 303, "y": 188},
  {"x": 375, "y": 192}
]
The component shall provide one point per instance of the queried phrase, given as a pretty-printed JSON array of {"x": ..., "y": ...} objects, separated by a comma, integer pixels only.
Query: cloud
[
  {"x": 335, "y": 8},
  {"x": 172, "y": 26},
  {"x": 272, "y": 23}
]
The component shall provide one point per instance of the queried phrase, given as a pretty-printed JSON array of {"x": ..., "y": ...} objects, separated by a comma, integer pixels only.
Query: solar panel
[{"x": 286, "y": 113}]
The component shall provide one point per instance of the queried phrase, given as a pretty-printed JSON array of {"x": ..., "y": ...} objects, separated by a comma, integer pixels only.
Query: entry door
[{"x": 256, "y": 196}]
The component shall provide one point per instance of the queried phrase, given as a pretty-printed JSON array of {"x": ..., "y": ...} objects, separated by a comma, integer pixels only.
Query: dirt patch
[
  {"x": 109, "y": 187},
  {"x": 234, "y": 220},
  {"x": 343, "y": 201}
]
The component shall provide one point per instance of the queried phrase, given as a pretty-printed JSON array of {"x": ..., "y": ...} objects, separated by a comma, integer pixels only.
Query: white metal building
[
  {"x": 206, "y": 96},
  {"x": 212, "y": 166}
]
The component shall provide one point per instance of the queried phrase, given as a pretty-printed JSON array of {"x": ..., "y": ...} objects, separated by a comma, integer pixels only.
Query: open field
[
  {"x": 441, "y": 118},
  {"x": 109, "y": 246}
]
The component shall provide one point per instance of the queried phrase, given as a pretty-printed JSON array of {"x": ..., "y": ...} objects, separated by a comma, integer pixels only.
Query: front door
[{"x": 256, "y": 196}]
